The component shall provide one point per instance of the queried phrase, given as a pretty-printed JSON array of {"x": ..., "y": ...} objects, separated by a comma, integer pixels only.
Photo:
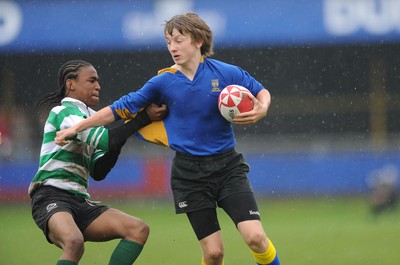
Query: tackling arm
[
  {"x": 116, "y": 139},
  {"x": 102, "y": 117}
]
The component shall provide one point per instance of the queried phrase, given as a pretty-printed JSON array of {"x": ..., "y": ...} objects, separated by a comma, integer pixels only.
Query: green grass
[{"x": 327, "y": 231}]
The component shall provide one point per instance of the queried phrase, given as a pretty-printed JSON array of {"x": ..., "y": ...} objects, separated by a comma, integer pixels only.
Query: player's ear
[
  {"x": 68, "y": 85},
  {"x": 199, "y": 44}
]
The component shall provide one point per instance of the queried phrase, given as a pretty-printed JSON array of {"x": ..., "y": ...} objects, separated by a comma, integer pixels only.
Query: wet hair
[
  {"x": 68, "y": 70},
  {"x": 199, "y": 31}
]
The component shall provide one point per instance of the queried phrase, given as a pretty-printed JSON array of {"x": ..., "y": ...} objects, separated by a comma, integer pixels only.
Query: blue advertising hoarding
[
  {"x": 278, "y": 175},
  {"x": 88, "y": 25}
]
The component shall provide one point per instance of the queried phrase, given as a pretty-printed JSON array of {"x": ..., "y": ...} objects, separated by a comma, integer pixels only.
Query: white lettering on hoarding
[
  {"x": 145, "y": 26},
  {"x": 10, "y": 22},
  {"x": 377, "y": 17}
]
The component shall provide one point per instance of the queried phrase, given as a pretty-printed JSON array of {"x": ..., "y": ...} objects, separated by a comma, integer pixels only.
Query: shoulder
[
  {"x": 218, "y": 63},
  {"x": 164, "y": 76},
  {"x": 59, "y": 115},
  {"x": 75, "y": 107},
  {"x": 57, "y": 109},
  {"x": 233, "y": 74},
  {"x": 222, "y": 67},
  {"x": 224, "y": 70},
  {"x": 66, "y": 110},
  {"x": 170, "y": 70}
]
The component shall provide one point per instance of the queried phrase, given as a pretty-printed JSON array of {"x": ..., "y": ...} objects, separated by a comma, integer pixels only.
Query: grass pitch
[{"x": 327, "y": 231}]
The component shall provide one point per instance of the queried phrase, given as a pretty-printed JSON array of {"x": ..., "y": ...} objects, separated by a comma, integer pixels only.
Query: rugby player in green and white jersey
[{"x": 60, "y": 200}]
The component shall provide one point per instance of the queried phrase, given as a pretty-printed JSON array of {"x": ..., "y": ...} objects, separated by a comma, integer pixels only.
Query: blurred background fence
[{"x": 332, "y": 67}]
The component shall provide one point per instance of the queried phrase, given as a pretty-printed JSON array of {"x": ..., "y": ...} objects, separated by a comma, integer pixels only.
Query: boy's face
[
  {"x": 85, "y": 87},
  {"x": 181, "y": 47}
]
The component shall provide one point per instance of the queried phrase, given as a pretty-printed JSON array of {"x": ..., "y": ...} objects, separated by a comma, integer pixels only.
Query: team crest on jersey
[{"x": 215, "y": 84}]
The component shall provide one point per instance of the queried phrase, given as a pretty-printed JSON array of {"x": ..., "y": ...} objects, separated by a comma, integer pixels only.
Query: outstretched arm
[
  {"x": 117, "y": 137},
  {"x": 102, "y": 117},
  {"x": 260, "y": 108}
]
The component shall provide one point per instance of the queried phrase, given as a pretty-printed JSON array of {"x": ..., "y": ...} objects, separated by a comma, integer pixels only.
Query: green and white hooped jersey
[{"x": 69, "y": 167}]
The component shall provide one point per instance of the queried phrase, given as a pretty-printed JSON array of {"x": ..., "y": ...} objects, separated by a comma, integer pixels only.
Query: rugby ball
[{"x": 233, "y": 100}]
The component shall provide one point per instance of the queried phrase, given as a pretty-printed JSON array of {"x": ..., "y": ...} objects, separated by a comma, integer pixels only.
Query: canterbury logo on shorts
[{"x": 183, "y": 204}]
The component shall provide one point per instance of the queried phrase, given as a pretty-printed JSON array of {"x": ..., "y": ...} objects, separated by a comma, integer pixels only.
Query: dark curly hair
[{"x": 68, "y": 70}]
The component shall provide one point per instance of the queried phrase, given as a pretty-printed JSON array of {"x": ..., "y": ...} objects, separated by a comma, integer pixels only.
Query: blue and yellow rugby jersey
[{"x": 194, "y": 124}]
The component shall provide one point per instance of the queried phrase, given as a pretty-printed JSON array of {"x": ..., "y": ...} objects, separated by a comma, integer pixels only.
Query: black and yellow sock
[
  {"x": 269, "y": 257},
  {"x": 125, "y": 253},
  {"x": 66, "y": 262}
]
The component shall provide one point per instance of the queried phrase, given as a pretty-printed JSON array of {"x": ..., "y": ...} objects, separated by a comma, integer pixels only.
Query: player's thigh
[
  {"x": 241, "y": 207},
  {"x": 62, "y": 229},
  {"x": 204, "y": 222},
  {"x": 114, "y": 224}
]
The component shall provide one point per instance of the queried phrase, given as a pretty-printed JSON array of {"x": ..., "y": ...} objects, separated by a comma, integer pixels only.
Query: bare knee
[
  {"x": 73, "y": 247},
  {"x": 144, "y": 231},
  {"x": 74, "y": 242},
  {"x": 138, "y": 232},
  {"x": 213, "y": 249},
  {"x": 257, "y": 240},
  {"x": 214, "y": 256}
]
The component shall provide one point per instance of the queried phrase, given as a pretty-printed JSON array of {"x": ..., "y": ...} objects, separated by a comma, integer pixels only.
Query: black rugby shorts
[
  {"x": 201, "y": 182},
  {"x": 48, "y": 200}
]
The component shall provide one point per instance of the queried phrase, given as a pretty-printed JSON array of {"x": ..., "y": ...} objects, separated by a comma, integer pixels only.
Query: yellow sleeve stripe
[
  {"x": 173, "y": 70},
  {"x": 167, "y": 70},
  {"x": 125, "y": 114}
]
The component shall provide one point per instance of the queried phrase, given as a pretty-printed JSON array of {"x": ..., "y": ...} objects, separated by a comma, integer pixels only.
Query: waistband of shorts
[
  {"x": 43, "y": 187},
  {"x": 222, "y": 155}
]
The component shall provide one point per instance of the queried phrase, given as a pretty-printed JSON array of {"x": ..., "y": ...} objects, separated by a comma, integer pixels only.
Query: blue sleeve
[
  {"x": 127, "y": 106},
  {"x": 244, "y": 79},
  {"x": 232, "y": 74}
]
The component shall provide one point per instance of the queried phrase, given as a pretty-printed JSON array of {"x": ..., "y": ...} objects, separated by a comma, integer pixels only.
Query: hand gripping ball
[{"x": 233, "y": 100}]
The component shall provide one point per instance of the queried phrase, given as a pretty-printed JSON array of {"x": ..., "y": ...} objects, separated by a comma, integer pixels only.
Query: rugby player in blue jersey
[{"x": 207, "y": 171}]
